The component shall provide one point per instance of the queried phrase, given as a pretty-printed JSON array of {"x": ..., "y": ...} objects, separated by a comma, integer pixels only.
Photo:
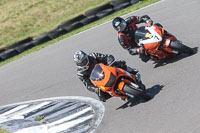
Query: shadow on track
[
  {"x": 164, "y": 62},
  {"x": 154, "y": 90}
]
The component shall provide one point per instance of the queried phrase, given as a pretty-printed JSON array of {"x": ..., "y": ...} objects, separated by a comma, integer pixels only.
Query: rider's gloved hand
[
  {"x": 149, "y": 22},
  {"x": 110, "y": 59},
  {"x": 146, "y": 19}
]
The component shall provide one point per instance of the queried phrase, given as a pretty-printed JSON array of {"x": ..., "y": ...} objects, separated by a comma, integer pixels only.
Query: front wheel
[
  {"x": 130, "y": 91},
  {"x": 181, "y": 47}
]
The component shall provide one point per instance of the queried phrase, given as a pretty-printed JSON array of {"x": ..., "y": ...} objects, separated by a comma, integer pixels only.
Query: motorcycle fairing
[
  {"x": 169, "y": 38},
  {"x": 111, "y": 79},
  {"x": 150, "y": 36},
  {"x": 108, "y": 81},
  {"x": 155, "y": 40}
]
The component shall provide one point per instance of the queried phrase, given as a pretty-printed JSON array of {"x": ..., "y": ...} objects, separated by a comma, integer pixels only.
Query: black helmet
[
  {"x": 81, "y": 59},
  {"x": 119, "y": 24}
]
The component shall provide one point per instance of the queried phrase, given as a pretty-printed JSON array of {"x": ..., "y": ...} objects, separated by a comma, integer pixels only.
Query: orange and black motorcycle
[
  {"x": 159, "y": 43},
  {"x": 117, "y": 82}
]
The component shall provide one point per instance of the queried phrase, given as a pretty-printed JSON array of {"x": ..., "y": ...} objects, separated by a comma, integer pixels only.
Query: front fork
[{"x": 121, "y": 86}]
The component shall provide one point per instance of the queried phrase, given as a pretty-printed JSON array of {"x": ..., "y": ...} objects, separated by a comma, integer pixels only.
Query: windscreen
[
  {"x": 97, "y": 73},
  {"x": 141, "y": 33}
]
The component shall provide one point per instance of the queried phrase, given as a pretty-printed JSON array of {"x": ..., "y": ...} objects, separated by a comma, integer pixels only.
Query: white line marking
[
  {"x": 43, "y": 128},
  {"x": 70, "y": 124},
  {"x": 69, "y": 117},
  {"x": 19, "y": 115},
  {"x": 14, "y": 110}
]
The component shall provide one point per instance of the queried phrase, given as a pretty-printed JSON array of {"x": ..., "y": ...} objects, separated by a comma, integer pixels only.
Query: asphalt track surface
[{"x": 50, "y": 72}]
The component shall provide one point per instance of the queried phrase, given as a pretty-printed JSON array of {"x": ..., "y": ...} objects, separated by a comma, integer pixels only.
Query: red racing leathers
[{"x": 127, "y": 38}]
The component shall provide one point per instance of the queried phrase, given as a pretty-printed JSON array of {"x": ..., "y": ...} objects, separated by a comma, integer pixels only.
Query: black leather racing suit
[{"x": 95, "y": 58}]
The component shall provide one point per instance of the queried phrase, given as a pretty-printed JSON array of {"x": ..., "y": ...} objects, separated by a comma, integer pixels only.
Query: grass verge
[
  {"x": 134, "y": 7},
  {"x": 3, "y": 130},
  {"x": 22, "y": 18}
]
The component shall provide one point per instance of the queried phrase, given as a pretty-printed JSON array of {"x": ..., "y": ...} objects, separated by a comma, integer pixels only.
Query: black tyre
[
  {"x": 71, "y": 21},
  {"x": 138, "y": 93},
  {"x": 134, "y": 1},
  {"x": 116, "y": 3},
  {"x": 2, "y": 50},
  {"x": 132, "y": 91},
  {"x": 88, "y": 20},
  {"x": 62, "y": 31},
  {"x": 56, "y": 33},
  {"x": 7, "y": 54},
  {"x": 53, "y": 33},
  {"x": 26, "y": 40},
  {"x": 121, "y": 6},
  {"x": 179, "y": 46},
  {"x": 73, "y": 26},
  {"x": 41, "y": 39},
  {"x": 24, "y": 47},
  {"x": 105, "y": 13}
]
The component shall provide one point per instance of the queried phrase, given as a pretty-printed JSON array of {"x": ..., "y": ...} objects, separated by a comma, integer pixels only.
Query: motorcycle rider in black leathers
[
  {"x": 126, "y": 34},
  {"x": 85, "y": 64}
]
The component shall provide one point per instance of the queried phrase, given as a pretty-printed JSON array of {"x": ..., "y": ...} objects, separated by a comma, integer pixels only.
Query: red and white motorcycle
[{"x": 159, "y": 43}]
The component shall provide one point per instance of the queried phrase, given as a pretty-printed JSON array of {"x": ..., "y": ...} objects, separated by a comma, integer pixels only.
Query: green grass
[
  {"x": 3, "y": 130},
  {"x": 137, "y": 6},
  {"x": 22, "y": 18},
  {"x": 39, "y": 118}
]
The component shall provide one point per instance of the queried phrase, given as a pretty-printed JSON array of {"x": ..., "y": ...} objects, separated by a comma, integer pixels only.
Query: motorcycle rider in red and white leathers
[
  {"x": 85, "y": 64},
  {"x": 126, "y": 34}
]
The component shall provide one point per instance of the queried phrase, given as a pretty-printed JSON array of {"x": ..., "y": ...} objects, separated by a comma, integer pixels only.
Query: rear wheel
[
  {"x": 136, "y": 92},
  {"x": 181, "y": 47}
]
